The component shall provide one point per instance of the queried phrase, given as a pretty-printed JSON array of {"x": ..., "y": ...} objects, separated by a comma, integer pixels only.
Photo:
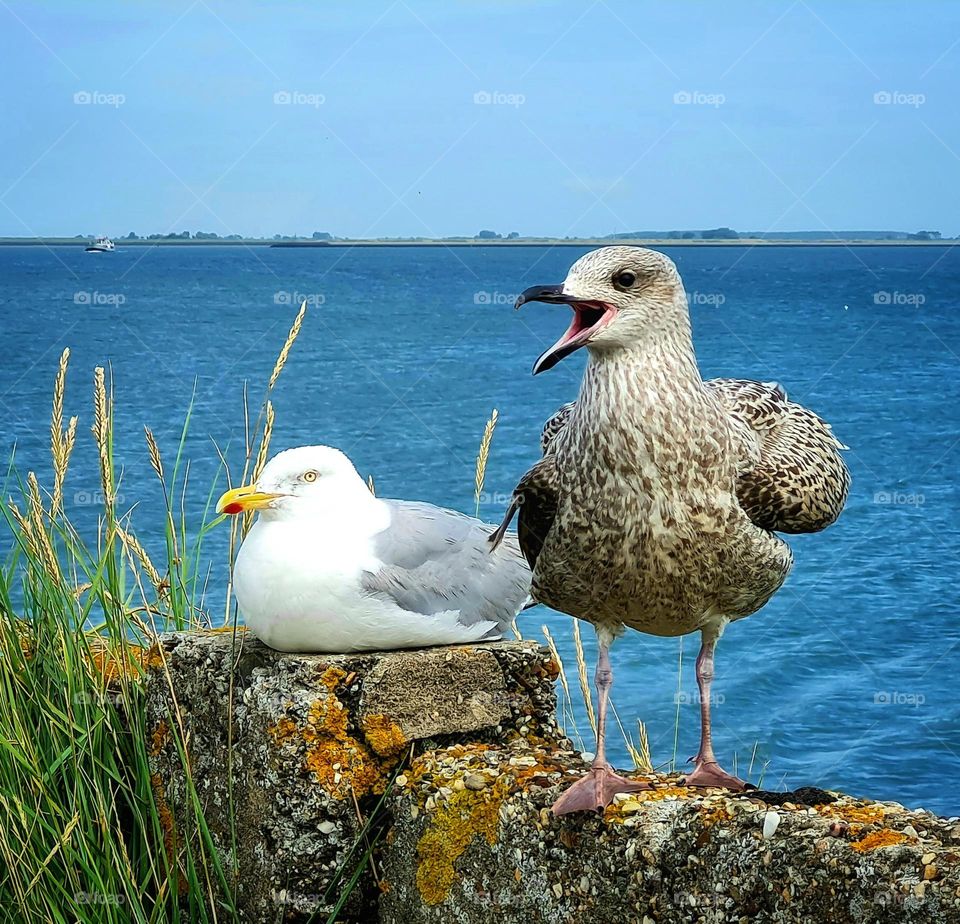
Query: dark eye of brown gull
[{"x": 624, "y": 279}]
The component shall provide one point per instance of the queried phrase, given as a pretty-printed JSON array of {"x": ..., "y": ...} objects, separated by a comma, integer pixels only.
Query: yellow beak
[{"x": 242, "y": 499}]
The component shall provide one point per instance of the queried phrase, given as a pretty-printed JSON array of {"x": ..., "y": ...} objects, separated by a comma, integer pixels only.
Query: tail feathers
[
  {"x": 493, "y": 634},
  {"x": 497, "y": 537}
]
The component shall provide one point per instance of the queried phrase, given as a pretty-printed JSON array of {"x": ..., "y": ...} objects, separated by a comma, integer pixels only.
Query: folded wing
[
  {"x": 435, "y": 560},
  {"x": 792, "y": 476},
  {"x": 555, "y": 423}
]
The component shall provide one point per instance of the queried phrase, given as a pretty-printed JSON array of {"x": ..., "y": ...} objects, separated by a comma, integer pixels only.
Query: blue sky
[{"x": 603, "y": 117}]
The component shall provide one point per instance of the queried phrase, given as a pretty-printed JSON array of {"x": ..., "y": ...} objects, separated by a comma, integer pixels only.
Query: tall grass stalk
[
  {"x": 483, "y": 456},
  {"x": 567, "y": 717},
  {"x": 85, "y": 832},
  {"x": 582, "y": 676}
]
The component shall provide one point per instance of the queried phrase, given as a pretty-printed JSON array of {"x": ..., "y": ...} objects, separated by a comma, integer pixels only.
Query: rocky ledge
[{"x": 440, "y": 765}]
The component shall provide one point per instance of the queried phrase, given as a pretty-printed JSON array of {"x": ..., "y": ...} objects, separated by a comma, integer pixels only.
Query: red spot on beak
[{"x": 233, "y": 508}]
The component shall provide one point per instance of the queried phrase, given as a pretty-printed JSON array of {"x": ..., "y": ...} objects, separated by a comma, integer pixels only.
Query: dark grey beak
[{"x": 552, "y": 295}]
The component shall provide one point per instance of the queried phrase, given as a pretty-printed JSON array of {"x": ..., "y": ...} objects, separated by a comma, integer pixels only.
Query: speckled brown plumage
[
  {"x": 555, "y": 423},
  {"x": 792, "y": 479},
  {"x": 655, "y": 503}
]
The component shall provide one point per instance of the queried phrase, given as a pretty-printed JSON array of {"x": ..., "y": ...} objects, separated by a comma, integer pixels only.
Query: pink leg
[
  {"x": 708, "y": 772},
  {"x": 595, "y": 791}
]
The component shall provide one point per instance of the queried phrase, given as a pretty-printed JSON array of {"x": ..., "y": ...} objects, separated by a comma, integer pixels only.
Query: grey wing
[
  {"x": 436, "y": 560},
  {"x": 792, "y": 477},
  {"x": 554, "y": 425}
]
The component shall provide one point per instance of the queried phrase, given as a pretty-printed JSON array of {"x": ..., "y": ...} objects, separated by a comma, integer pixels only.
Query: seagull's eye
[
  {"x": 624, "y": 279},
  {"x": 310, "y": 476}
]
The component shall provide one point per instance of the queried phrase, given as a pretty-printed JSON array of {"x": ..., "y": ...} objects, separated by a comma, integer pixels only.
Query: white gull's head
[
  {"x": 317, "y": 481},
  {"x": 619, "y": 296}
]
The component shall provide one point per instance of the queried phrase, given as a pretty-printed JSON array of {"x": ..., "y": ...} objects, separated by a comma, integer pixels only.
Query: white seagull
[{"x": 329, "y": 567}]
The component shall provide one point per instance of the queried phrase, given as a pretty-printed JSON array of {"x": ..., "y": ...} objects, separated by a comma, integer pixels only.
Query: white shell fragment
[{"x": 771, "y": 821}]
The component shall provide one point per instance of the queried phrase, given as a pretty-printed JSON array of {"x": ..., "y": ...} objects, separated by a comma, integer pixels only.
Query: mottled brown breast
[{"x": 645, "y": 527}]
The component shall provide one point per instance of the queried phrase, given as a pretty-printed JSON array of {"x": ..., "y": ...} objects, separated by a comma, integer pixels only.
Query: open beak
[
  {"x": 247, "y": 497},
  {"x": 588, "y": 318}
]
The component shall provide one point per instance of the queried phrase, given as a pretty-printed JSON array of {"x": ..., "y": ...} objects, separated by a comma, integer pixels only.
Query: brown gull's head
[{"x": 619, "y": 295}]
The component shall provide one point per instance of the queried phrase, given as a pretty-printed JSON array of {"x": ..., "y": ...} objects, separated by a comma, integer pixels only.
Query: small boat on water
[{"x": 101, "y": 245}]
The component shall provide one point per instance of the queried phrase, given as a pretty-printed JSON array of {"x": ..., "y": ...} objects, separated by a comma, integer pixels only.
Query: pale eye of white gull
[{"x": 309, "y": 476}]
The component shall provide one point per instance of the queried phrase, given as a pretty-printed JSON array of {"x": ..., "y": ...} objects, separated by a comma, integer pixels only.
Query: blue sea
[{"x": 846, "y": 679}]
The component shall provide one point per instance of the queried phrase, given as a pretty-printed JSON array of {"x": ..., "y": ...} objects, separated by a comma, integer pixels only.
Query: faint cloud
[{"x": 597, "y": 186}]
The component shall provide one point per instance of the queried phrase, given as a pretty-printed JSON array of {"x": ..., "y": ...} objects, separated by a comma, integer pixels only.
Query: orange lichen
[
  {"x": 384, "y": 735},
  {"x": 163, "y": 810},
  {"x": 854, "y": 814},
  {"x": 340, "y": 762},
  {"x": 452, "y": 828},
  {"x": 344, "y": 767},
  {"x": 153, "y": 659},
  {"x": 159, "y": 737},
  {"x": 714, "y": 814},
  {"x": 167, "y": 826},
  {"x": 615, "y": 811},
  {"x": 551, "y": 669},
  {"x": 327, "y": 717},
  {"x": 111, "y": 665},
  {"x": 458, "y": 751},
  {"x": 885, "y": 837},
  {"x": 523, "y": 776},
  {"x": 663, "y": 792},
  {"x": 284, "y": 730},
  {"x": 332, "y": 677},
  {"x": 467, "y": 813}
]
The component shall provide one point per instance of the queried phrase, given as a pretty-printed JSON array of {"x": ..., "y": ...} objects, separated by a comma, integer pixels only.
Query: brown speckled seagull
[{"x": 657, "y": 499}]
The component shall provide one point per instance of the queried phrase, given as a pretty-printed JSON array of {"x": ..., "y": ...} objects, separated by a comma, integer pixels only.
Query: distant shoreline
[
  {"x": 629, "y": 242},
  {"x": 529, "y": 242}
]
